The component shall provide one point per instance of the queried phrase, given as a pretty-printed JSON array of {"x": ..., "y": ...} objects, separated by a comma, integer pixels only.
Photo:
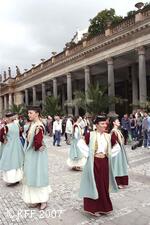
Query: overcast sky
[{"x": 32, "y": 29}]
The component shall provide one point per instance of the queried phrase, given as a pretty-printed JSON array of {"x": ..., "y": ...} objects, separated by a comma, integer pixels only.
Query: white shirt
[
  {"x": 69, "y": 127},
  {"x": 102, "y": 143},
  {"x": 57, "y": 125}
]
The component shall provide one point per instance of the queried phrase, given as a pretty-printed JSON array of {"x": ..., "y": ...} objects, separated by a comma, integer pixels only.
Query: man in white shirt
[
  {"x": 57, "y": 130},
  {"x": 69, "y": 130}
]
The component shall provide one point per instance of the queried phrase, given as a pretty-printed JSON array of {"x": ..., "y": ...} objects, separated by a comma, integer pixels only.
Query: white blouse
[{"x": 102, "y": 143}]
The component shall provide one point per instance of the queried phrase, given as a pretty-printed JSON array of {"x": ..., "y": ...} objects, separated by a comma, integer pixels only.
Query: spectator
[
  {"x": 57, "y": 130},
  {"x": 126, "y": 128},
  {"x": 146, "y": 130}
]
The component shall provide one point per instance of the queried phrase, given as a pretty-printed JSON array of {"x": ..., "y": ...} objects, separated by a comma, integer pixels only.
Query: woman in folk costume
[
  {"x": 1, "y": 147},
  {"x": 36, "y": 187},
  {"x": 119, "y": 158},
  {"x": 11, "y": 162},
  {"x": 76, "y": 159},
  {"x": 97, "y": 177},
  {"x": 2, "y": 135},
  {"x": 25, "y": 130}
]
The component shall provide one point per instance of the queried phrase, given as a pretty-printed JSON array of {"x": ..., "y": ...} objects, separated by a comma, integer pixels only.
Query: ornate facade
[{"x": 119, "y": 58}]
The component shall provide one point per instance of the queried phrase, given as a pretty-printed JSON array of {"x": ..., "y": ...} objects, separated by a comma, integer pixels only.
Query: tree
[
  {"x": 95, "y": 100},
  {"x": 18, "y": 109},
  {"x": 130, "y": 13},
  {"x": 99, "y": 23},
  {"x": 51, "y": 106}
]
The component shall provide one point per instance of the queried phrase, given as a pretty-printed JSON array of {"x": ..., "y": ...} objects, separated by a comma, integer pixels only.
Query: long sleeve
[
  {"x": 114, "y": 139},
  {"x": 2, "y": 135},
  {"x": 83, "y": 147},
  {"x": 38, "y": 138},
  {"x": 54, "y": 127},
  {"x": 3, "y": 132},
  {"x": 87, "y": 137},
  {"x": 76, "y": 132}
]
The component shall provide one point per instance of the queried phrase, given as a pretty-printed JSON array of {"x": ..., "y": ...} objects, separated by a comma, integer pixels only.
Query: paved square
[{"x": 131, "y": 205}]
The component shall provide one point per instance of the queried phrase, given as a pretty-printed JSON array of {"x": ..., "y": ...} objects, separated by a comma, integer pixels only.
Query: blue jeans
[
  {"x": 146, "y": 135},
  {"x": 57, "y": 137},
  {"x": 133, "y": 133}
]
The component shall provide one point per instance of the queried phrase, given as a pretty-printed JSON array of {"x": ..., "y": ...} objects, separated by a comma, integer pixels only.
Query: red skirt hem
[
  {"x": 124, "y": 180},
  {"x": 103, "y": 204}
]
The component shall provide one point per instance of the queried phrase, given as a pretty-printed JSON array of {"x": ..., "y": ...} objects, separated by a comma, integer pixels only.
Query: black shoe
[{"x": 58, "y": 145}]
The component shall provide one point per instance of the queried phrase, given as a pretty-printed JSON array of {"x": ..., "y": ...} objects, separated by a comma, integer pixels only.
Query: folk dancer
[
  {"x": 36, "y": 187},
  {"x": 119, "y": 157},
  {"x": 11, "y": 162},
  {"x": 2, "y": 136},
  {"x": 76, "y": 159},
  {"x": 97, "y": 177}
]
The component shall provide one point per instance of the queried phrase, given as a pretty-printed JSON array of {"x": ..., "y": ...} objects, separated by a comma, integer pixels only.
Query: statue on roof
[
  {"x": 17, "y": 71},
  {"x": 5, "y": 75},
  {"x": 9, "y": 71}
]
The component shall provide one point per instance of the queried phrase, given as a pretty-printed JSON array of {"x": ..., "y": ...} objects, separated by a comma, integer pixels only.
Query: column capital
[
  {"x": 141, "y": 50},
  {"x": 87, "y": 68},
  {"x": 69, "y": 75},
  {"x": 110, "y": 61}
]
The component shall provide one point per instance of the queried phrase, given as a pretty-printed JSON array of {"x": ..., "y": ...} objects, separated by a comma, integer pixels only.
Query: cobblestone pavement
[{"x": 131, "y": 205}]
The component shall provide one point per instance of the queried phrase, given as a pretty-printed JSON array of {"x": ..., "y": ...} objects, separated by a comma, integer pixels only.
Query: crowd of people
[{"x": 97, "y": 148}]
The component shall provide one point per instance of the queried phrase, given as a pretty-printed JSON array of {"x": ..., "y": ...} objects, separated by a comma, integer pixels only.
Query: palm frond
[{"x": 51, "y": 106}]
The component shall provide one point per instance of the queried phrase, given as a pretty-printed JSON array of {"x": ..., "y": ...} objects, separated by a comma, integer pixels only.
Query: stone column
[
  {"x": 10, "y": 102},
  {"x": 63, "y": 96},
  {"x": 69, "y": 92},
  {"x": 26, "y": 97},
  {"x": 1, "y": 106},
  {"x": 55, "y": 87},
  {"x": 43, "y": 93},
  {"x": 111, "y": 83},
  {"x": 76, "y": 108},
  {"x": 18, "y": 98},
  {"x": 142, "y": 76},
  {"x": 5, "y": 102},
  {"x": 134, "y": 79},
  {"x": 87, "y": 77},
  {"x": 34, "y": 95}
]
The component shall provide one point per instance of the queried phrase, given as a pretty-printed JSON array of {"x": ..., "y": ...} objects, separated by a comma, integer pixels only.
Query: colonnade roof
[{"x": 135, "y": 26}]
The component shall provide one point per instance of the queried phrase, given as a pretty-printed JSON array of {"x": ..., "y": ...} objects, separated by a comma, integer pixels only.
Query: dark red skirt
[
  {"x": 122, "y": 180},
  {"x": 103, "y": 203}
]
